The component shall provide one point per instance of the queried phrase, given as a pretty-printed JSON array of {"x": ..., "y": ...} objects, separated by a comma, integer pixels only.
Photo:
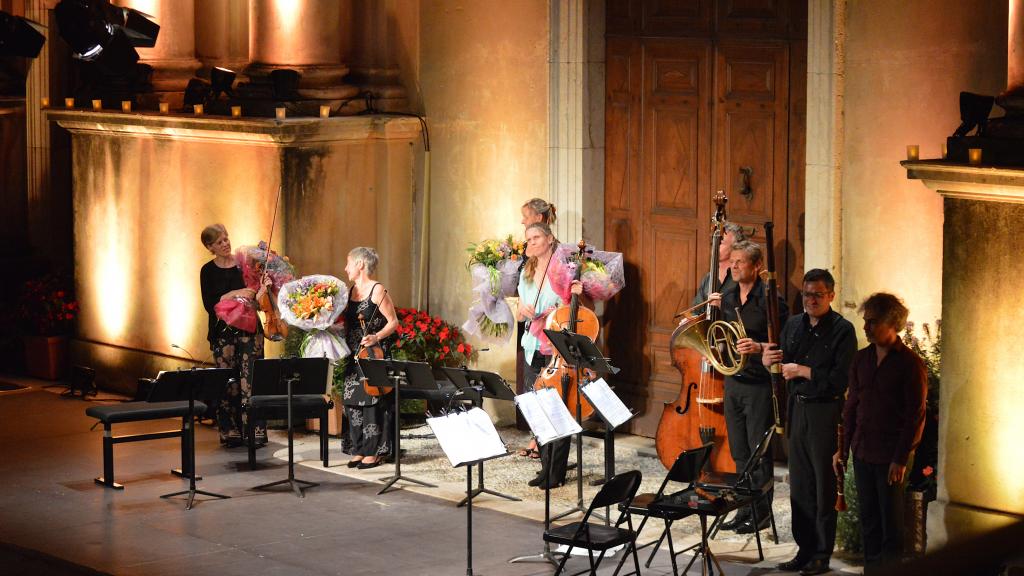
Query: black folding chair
[
  {"x": 717, "y": 501},
  {"x": 619, "y": 489},
  {"x": 685, "y": 470}
]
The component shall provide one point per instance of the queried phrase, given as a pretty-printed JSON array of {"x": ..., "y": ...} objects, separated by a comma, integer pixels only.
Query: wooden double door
[{"x": 700, "y": 96}]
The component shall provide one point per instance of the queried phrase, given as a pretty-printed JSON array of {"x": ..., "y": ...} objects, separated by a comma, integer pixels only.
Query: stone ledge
[
  {"x": 956, "y": 180},
  {"x": 258, "y": 131}
]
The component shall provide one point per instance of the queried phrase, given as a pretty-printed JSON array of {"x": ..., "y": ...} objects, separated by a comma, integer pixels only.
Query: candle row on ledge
[
  {"x": 973, "y": 154},
  {"x": 165, "y": 108}
]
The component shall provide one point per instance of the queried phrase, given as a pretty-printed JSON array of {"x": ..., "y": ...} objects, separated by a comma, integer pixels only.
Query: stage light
[
  {"x": 285, "y": 83},
  {"x": 221, "y": 80},
  {"x": 974, "y": 111},
  {"x": 196, "y": 92},
  {"x": 103, "y": 34},
  {"x": 20, "y": 36}
]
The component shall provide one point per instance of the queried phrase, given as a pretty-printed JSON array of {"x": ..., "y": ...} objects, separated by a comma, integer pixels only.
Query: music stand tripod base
[{"x": 296, "y": 485}]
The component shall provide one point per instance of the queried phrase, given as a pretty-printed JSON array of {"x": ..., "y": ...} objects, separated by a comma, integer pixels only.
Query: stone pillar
[
  {"x": 576, "y": 119},
  {"x": 222, "y": 34},
  {"x": 374, "y": 66},
  {"x": 1015, "y": 48},
  {"x": 174, "y": 57},
  {"x": 302, "y": 36}
]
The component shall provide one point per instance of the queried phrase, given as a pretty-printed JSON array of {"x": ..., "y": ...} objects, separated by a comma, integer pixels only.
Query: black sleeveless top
[{"x": 353, "y": 394}]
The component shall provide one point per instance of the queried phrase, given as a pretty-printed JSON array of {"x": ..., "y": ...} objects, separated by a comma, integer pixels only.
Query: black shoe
[
  {"x": 748, "y": 526},
  {"x": 367, "y": 465},
  {"x": 794, "y": 565},
  {"x": 353, "y": 463},
  {"x": 537, "y": 480},
  {"x": 736, "y": 522},
  {"x": 817, "y": 566}
]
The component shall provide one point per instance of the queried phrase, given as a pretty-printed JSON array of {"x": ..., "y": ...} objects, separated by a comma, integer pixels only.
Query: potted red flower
[
  {"x": 48, "y": 311},
  {"x": 426, "y": 338}
]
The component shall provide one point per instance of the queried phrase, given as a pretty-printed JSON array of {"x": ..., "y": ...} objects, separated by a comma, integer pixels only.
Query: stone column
[
  {"x": 302, "y": 36},
  {"x": 174, "y": 57},
  {"x": 1013, "y": 98},
  {"x": 222, "y": 34},
  {"x": 374, "y": 66}
]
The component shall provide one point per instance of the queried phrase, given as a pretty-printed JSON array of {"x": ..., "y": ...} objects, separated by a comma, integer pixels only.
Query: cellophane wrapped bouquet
[
  {"x": 313, "y": 304},
  {"x": 602, "y": 275},
  {"x": 494, "y": 267},
  {"x": 241, "y": 312}
]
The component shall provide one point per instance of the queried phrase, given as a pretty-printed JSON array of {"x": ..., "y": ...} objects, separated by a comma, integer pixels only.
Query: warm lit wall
[
  {"x": 906, "y": 61},
  {"x": 484, "y": 88},
  {"x": 981, "y": 426},
  {"x": 145, "y": 186}
]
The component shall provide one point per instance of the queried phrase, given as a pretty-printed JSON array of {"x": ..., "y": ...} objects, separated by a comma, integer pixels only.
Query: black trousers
[
  {"x": 748, "y": 415},
  {"x": 812, "y": 442},
  {"x": 554, "y": 456},
  {"x": 881, "y": 513}
]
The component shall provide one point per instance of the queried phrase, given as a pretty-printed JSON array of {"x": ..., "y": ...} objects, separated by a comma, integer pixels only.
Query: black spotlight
[
  {"x": 19, "y": 36},
  {"x": 196, "y": 92},
  {"x": 285, "y": 83},
  {"x": 221, "y": 80},
  {"x": 974, "y": 111},
  {"x": 103, "y": 34}
]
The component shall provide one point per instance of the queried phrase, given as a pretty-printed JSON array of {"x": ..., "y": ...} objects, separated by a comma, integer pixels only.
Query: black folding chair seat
[{"x": 140, "y": 411}]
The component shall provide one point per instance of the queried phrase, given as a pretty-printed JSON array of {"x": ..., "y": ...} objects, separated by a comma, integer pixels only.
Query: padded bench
[{"x": 138, "y": 412}]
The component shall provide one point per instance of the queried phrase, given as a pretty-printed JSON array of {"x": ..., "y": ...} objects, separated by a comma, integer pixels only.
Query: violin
[
  {"x": 274, "y": 328},
  {"x": 373, "y": 352},
  {"x": 559, "y": 374}
]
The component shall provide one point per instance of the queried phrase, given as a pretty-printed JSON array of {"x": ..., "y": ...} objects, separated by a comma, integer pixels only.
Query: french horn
[{"x": 715, "y": 340}]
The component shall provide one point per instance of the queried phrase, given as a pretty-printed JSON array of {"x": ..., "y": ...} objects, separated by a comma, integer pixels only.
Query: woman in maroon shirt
[{"x": 883, "y": 419}]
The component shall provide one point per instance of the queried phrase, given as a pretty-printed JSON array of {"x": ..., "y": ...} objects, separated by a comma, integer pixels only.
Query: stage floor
[{"x": 50, "y": 504}]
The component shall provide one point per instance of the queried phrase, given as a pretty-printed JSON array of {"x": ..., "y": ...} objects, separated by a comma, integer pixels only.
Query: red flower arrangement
[
  {"x": 426, "y": 338},
  {"x": 47, "y": 307}
]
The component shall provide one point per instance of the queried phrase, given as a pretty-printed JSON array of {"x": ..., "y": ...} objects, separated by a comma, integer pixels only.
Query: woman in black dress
[
  {"x": 221, "y": 279},
  {"x": 369, "y": 417}
]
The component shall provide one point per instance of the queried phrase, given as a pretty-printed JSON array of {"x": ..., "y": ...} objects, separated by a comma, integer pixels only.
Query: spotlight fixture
[
  {"x": 20, "y": 36},
  {"x": 196, "y": 92},
  {"x": 974, "y": 111},
  {"x": 221, "y": 80},
  {"x": 285, "y": 83},
  {"x": 104, "y": 34}
]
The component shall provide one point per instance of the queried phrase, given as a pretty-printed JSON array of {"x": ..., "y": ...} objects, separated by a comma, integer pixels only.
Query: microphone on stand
[{"x": 185, "y": 351}]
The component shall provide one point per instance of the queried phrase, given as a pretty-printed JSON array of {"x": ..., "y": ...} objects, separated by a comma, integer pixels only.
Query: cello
[
  {"x": 559, "y": 374},
  {"x": 697, "y": 416}
]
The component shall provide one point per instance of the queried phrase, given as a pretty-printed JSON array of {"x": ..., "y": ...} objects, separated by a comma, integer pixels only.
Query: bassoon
[
  {"x": 772, "y": 298},
  {"x": 841, "y": 476}
]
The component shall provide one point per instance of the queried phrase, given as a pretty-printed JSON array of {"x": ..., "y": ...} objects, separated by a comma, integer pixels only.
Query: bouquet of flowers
[
  {"x": 47, "y": 307},
  {"x": 313, "y": 304},
  {"x": 241, "y": 312},
  {"x": 494, "y": 266},
  {"x": 426, "y": 338},
  {"x": 602, "y": 274}
]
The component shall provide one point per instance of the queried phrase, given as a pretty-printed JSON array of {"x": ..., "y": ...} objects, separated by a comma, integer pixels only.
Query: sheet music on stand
[
  {"x": 547, "y": 415},
  {"x": 467, "y": 437},
  {"x": 607, "y": 404}
]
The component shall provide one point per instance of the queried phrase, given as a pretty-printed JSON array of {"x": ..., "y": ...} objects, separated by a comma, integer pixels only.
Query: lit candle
[
  {"x": 198, "y": 109},
  {"x": 44, "y": 102},
  {"x": 69, "y": 102},
  {"x": 236, "y": 111},
  {"x": 945, "y": 151},
  {"x": 913, "y": 152},
  {"x": 97, "y": 104},
  {"x": 325, "y": 111},
  {"x": 126, "y": 105},
  {"x": 165, "y": 107},
  {"x": 280, "y": 113},
  {"x": 974, "y": 156}
]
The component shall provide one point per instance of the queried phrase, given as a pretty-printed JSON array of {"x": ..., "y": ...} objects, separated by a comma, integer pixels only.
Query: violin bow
[{"x": 270, "y": 237}]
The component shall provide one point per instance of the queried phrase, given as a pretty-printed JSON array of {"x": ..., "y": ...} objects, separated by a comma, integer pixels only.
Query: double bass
[
  {"x": 697, "y": 416},
  {"x": 559, "y": 374}
]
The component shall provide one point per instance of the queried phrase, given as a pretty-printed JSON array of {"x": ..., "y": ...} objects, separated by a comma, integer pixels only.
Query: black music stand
[
  {"x": 414, "y": 377},
  {"x": 182, "y": 384},
  {"x": 580, "y": 352},
  {"x": 475, "y": 385},
  {"x": 291, "y": 377}
]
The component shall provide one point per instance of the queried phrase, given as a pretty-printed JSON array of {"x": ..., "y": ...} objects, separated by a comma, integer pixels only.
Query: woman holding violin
[
  {"x": 221, "y": 279},
  {"x": 536, "y": 301},
  {"x": 370, "y": 320}
]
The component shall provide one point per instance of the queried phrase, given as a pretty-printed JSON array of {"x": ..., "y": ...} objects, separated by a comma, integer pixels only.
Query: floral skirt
[
  {"x": 370, "y": 430},
  {"x": 237, "y": 349}
]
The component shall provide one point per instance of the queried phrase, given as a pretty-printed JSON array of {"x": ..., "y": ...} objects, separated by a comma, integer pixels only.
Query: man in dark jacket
[
  {"x": 748, "y": 393},
  {"x": 883, "y": 419},
  {"x": 817, "y": 349}
]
